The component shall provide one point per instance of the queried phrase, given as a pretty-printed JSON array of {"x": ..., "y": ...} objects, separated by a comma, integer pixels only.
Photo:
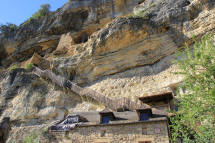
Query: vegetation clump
[
  {"x": 29, "y": 66},
  {"x": 13, "y": 67},
  {"x": 42, "y": 12},
  {"x": 8, "y": 28},
  {"x": 195, "y": 120}
]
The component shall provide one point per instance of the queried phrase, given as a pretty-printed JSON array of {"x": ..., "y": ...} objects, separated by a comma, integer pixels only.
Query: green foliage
[
  {"x": 13, "y": 67},
  {"x": 29, "y": 66},
  {"x": 31, "y": 138},
  {"x": 42, "y": 12},
  {"x": 7, "y": 28},
  {"x": 195, "y": 120}
]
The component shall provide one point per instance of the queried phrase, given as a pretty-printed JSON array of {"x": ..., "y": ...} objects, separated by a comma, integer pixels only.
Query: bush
[
  {"x": 42, "y": 12},
  {"x": 29, "y": 66},
  {"x": 195, "y": 120},
  {"x": 7, "y": 28}
]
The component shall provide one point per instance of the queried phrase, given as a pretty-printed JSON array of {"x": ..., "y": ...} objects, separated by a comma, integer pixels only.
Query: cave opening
[{"x": 82, "y": 38}]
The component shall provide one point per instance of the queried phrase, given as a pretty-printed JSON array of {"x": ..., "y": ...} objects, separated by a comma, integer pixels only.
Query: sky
[{"x": 17, "y": 11}]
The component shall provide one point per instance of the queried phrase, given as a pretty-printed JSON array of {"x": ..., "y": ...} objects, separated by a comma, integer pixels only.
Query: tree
[
  {"x": 43, "y": 11},
  {"x": 7, "y": 28},
  {"x": 195, "y": 120}
]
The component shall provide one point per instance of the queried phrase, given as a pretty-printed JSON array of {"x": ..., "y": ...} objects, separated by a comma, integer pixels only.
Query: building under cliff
[
  {"x": 145, "y": 125},
  {"x": 104, "y": 70}
]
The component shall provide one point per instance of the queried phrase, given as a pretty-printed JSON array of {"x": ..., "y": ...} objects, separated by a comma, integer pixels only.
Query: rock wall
[
  {"x": 29, "y": 100},
  {"x": 75, "y": 16},
  {"x": 126, "y": 43}
]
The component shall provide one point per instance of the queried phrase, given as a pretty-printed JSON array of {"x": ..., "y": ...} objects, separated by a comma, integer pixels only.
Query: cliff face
[
  {"x": 76, "y": 17},
  {"x": 130, "y": 42},
  {"x": 119, "y": 48}
]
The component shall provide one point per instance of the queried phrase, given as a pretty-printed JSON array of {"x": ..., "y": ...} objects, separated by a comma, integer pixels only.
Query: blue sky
[{"x": 17, "y": 11}]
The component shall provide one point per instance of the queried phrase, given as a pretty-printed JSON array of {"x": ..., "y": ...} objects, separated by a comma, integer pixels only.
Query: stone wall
[{"x": 156, "y": 132}]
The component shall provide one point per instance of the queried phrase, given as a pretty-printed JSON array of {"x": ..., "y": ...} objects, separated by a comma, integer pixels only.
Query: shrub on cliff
[
  {"x": 195, "y": 120},
  {"x": 29, "y": 66},
  {"x": 13, "y": 67},
  {"x": 7, "y": 28},
  {"x": 42, "y": 12}
]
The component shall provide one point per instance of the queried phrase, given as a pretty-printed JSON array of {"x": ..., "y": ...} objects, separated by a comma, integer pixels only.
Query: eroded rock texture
[
  {"x": 130, "y": 42},
  {"x": 77, "y": 17},
  {"x": 100, "y": 44}
]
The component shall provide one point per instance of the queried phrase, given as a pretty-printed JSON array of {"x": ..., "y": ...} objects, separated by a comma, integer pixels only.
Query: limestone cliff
[{"x": 119, "y": 48}]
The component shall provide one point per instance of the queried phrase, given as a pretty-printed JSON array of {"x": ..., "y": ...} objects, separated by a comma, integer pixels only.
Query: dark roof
[
  {"x": 156, "y": 97},
  {"x": 94, "y": 116},
  {"x": 106, "y": 110},
  {"x": 94, "y": 119}
]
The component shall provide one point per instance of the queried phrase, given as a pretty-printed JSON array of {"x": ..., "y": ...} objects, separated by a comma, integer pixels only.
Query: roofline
[
  {"x": 119, "y": 123},
  {"x": 155, "y": 95}
]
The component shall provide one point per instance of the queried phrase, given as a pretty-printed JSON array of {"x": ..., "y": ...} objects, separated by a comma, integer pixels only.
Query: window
[
  {"x": 105, "y": 120},
  {"x": 144, "y": 116}
]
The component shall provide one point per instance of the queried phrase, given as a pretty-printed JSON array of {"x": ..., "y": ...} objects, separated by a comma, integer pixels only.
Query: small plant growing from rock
[
  {"x": 29, "y": 66},
  {"x": 42, "y": 12},
  {"x": 13, "y": 67}
]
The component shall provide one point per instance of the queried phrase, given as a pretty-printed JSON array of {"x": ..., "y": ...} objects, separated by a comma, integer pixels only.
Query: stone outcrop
[
  {"x": 37, "y": 60},
  {"x": 130, "y": 42},
  {"x": 29, "y": 100},
  {"x": 4, "y": 129},
  {"x": 78, "y": 17}
]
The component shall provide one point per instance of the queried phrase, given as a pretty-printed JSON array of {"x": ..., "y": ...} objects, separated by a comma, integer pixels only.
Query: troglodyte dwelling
[
  {"x": 147, "y": 125},
  {"x": 97, "y": 67}
]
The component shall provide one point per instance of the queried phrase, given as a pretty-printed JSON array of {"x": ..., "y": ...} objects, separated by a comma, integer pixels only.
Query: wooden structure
[
  {"x": 121, "y": 104},
  {"x": 159, "y": 100}
]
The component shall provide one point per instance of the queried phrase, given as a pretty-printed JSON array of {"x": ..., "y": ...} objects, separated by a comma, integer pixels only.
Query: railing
[{"x": 115, "y": 105}]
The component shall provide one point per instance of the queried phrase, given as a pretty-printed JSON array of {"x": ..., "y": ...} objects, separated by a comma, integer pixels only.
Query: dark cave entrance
[{"x": 82, "y": 38}]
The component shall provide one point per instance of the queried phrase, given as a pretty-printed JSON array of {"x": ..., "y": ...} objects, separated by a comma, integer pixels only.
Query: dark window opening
[
  {"x": 106, "y": 116},
  {"x": 105, "y": 119},
  {"x": 144, "y": 116}
]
